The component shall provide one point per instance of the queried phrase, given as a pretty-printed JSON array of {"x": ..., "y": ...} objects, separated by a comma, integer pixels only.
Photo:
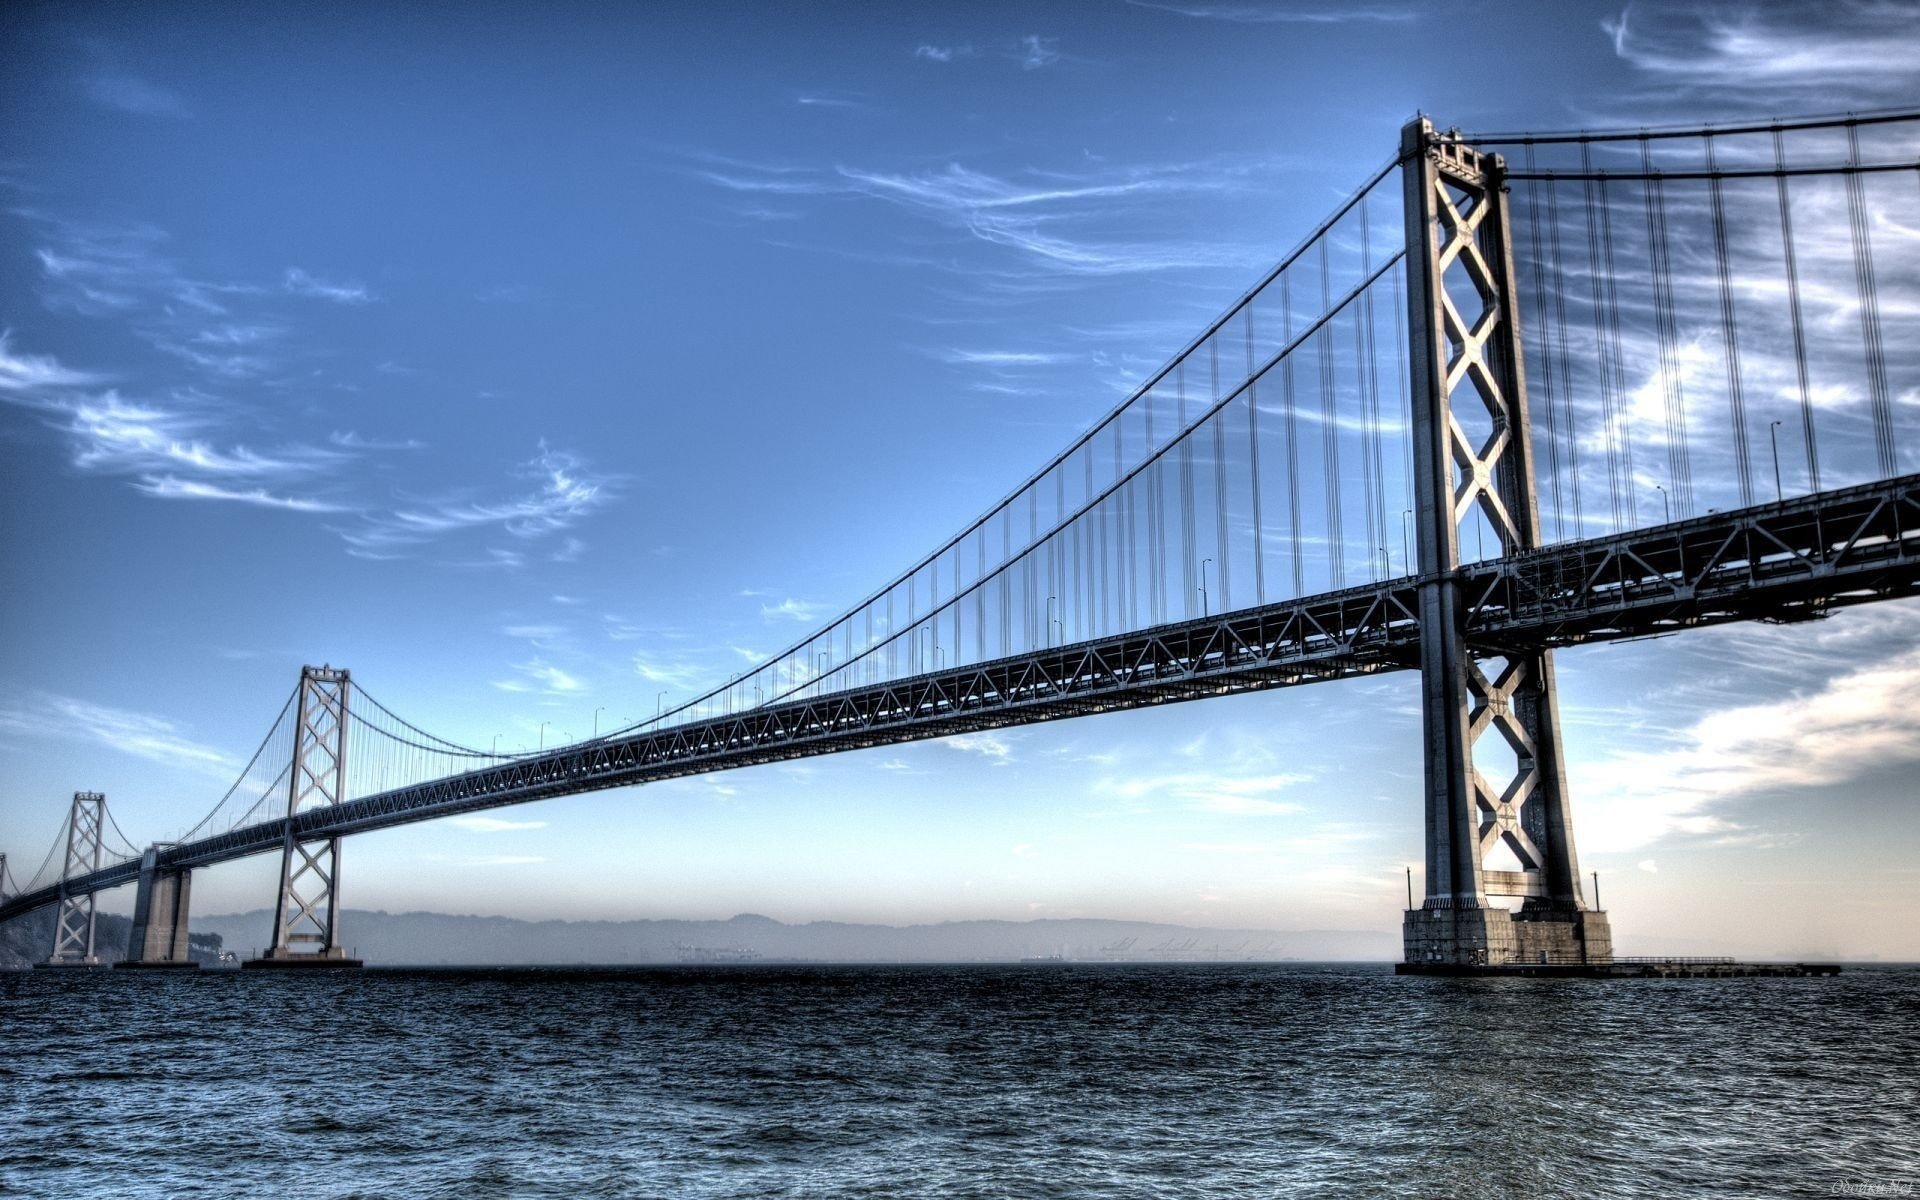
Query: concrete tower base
[
  {"x": 331, "y": 959},
  {"x": 1482, "y": 937}
]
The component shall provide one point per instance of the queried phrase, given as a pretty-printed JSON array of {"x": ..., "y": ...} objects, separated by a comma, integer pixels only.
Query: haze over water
[{"x": 953, "y": 1081}]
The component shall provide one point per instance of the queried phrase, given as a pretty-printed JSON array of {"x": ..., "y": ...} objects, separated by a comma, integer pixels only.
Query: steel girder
[{"x": 1775, "y": 562}]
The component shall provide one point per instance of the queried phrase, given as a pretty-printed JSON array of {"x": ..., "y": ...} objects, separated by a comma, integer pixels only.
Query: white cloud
[
  {"x": 1818, "y": 51},
  {"x": 796, "y": 610},
  {"x": 1867, "y": 718},
  {"x": 674, "y": 675},
  {"x": 566, "y": 493},
  {"x": 1229, "y": 792},
  {"x": 986, "y": 745},
  {"x": 1042, "y": 220},
  {"x": 33, "y": 372},
  {"x": 125, "y": 93},
  {"x": 167, "y": 487},
  {"x": 301, "y": 283},
  {"x": 142, "y": 735},
  {"x": 543, "y": 677},
  {"x": 1281, "y": 13},
  {"x": 1036, "y": 51},
  {"x": 482, "y": 824},
  {"x": 1649, "y": 866},
  {"x": 942, "y": 53},
  {"x": 1005, "y": 358}
]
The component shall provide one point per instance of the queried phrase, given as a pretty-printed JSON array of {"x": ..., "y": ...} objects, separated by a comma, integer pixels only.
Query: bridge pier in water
[
  {"x": 306, "y": 918},
  {"x": 159, "y": 937},
  {"x": 1486, "y": 838}
]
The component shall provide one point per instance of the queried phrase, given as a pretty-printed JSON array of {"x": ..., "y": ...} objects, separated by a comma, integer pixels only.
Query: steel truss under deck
[{"x": 1778, "y": 562}]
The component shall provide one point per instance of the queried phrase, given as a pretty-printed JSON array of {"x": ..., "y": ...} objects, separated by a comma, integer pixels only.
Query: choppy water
[{"x": 954, "y": 1081}]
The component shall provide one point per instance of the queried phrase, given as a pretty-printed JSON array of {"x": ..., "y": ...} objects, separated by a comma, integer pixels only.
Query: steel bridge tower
[
  {"x": 1486, "y": 838},
  {"x": 306, "y": 924},
  {"x": 73, "y": 922}
]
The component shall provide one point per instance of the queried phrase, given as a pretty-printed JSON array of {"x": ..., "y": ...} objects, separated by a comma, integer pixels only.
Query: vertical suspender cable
[
  {"x": 1793, "y": 301},
  {"x": 1222, "y": 543},
  {"x": 1630, "y": 489},
  {"x": 1561, "y": 398},
  {"x": 1665, "y": 334},
  {"x": 1330, "y": 431},
  {"x": 1290, "y": 423},
  {"x": 1253, "y": 459},
  {"x": 1729, "y": 330},
  {"x": 1609, "y": 417},
  {"x": 1544, "y": 324},
  {"x": 1878, "y": 398}
]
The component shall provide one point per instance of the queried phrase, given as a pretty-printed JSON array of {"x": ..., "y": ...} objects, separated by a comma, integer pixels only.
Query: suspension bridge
[{"x": 1519, "y": 391}]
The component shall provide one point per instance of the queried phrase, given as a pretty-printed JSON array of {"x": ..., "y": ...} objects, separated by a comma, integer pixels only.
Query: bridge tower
[
  {"x": 73, "y": 921},
  {"x": 306, "y": 925},
  {"x": 1487, "y": 837}
]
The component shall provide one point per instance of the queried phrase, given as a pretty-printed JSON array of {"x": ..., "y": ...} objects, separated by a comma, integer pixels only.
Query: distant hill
[{"x": 439, "y": 939}]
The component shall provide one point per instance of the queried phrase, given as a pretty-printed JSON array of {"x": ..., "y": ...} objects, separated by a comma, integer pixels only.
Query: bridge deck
[{"x": 1775, "y": 562}]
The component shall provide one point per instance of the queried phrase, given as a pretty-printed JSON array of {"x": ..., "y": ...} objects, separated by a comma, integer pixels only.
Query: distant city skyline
[{"x": 544, "y": 372}]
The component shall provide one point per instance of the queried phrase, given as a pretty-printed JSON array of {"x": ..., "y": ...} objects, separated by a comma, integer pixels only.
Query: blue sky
[{"x": 532, "y": 362}]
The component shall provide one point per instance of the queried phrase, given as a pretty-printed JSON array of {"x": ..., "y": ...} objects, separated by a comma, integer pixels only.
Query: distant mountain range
[{"x": 421, "y": 938}]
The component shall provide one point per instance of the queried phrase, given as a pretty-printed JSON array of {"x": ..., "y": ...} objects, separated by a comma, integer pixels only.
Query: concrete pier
[{"x": 159, "y": 937}]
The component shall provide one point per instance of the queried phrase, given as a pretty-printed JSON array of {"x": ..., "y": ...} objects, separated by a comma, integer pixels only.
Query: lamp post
[
  {"x": 1204, "y": 564},
  {"x": 1406, "y": 537},
  {"x": 596, "y": 721},
  {"x": 1773, "y": 435},
  {"x": 1386, "y": 563},
  {"x": 543, "y": 734},
  {"x": 660, "y": 706},
  {"x": 1665, "y": 508},
  {"x": 1051, "y": 601}
]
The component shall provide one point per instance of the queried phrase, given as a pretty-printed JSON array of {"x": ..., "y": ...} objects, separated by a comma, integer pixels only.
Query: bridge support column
[
  {"x": 73, "y": 921},
  {"x": 159, "y": 937},
  {"x": 1497, "y": 819},
  {"x": 306, "y": 925}
]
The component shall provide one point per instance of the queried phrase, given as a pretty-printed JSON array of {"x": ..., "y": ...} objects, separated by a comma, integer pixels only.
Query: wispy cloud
[
  {"x": 986, "y": 745},
  {"x": 1005, "y": 358},
  {"x": 1036, "y": 51},
  {"x": 301, "y": 283},
  {"x": 36, "y": 372},
  {"x": 155, "y": 739},
  {"x": 477, "y": 824},
  {"x": 1817, "y": 53},
  {"x": 544, "y": 677},
  {"x": 1283, "y": 13},
  {"x": 942, "y": 54},
  {"x": 791, "y": 609},
  {"x": 168, "y": 487},
  {"x": 126, "y": 93},
  {"x": 1066, "y": 222},
  {"x": 1235, "y": 795},
  {"x": 683, "y": 676},
  {"x": 565, "y": 492}
]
